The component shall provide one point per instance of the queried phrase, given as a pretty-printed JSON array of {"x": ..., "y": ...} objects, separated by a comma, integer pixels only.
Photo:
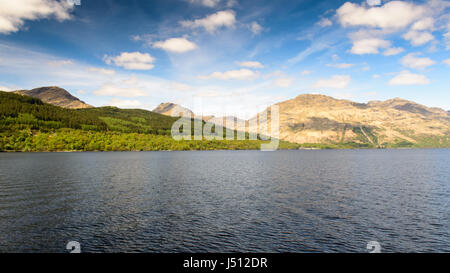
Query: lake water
[{"x": 226, "y": 201}]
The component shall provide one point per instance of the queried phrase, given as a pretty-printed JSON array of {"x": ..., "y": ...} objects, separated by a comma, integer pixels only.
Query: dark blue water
[{"x": 226, "y": 201}]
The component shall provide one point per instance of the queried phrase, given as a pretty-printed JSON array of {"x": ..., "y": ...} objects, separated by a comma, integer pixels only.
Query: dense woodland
[{"x": 28, "y": 124}]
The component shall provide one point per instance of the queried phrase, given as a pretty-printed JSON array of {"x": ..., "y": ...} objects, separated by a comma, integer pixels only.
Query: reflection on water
[{"x": 226, "y": 201}]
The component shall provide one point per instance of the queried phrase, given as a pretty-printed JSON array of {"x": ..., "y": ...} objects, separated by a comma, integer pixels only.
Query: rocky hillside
[
  {"x": 323, "y": 120},
  {"x": 175, "y": 110},
  {"x": 172, "y": 110},
  {"x": 396, "y": 122},
  {"x": 56, "y": 96}
]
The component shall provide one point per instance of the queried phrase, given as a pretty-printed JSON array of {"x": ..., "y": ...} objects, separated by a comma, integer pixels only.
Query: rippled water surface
[{"x": 226, "y": 201}]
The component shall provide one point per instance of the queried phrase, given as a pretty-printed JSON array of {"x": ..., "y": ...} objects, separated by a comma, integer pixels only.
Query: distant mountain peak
[
  {"x": 173, "y": 110},
  {"x": 316, "y": 98},
  {"x": 56, "y": 96}
]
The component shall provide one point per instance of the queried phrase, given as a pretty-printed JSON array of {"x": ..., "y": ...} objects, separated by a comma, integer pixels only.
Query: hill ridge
[
  {"x": 315, "y": 119},
  {"x": 318, "y": 119},
  {"x": 56, "y": 96}
]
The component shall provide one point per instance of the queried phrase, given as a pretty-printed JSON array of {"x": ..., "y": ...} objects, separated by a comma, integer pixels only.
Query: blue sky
[{"x": 227, "y": 56}]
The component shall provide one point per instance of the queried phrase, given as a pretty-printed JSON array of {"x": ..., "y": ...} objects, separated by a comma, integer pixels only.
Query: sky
[{"x": 227, "y": 57}]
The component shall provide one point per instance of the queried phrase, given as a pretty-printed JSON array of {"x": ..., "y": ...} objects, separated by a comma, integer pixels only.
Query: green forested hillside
[{"x": 28, "y": 124}]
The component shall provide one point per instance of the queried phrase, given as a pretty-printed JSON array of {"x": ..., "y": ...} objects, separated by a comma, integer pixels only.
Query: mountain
[
  {"x": 28, "y": 124},
  {"x": 56, "y": 96},
  {"x": 309, "y": 121},
  {"x": 228, "y": 121},
  {"x": 319, "y": 119},
  {"x": 172, "y": 110},
  {"x": 175, "y": 110}
]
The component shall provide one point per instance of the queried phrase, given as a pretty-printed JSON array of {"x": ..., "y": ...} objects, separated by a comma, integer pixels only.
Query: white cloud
[
  {"x": 373, "y": 2},
  {"x": 124, "y": 103},
  {"x": 206, "y": 3},
  {"x": 180, "y": 87},
  {"x": 284, "y": 82},
  {"x": 117, "y": 91},
  {"x": 341, "y": 65},
  {"x": 392, "y": 15},
  {"x": 325, "y": 22},
  {"x": 369, "y": 45},
  {"x": 251, "y": 64},
  {"x": 102, "y": 70},
  {"x": 213, "y": 21},
  {"x": 418, "y": 38},
  {"x": 424, "y": 24},
  {"x": 31, "y": 69},
  {"x": 176, "y": 45},
  {"x": 305, "y": 72},
  {"x": 336, "y": 81},
  {"x": 393, "y": 51},
  {"x": 411, "y": 60},
  {"x": 408, "y": 78},
  {"x": 132, "y": 80},
  {"x": 241, "y": 98},
  {"x": 447, "y": 62},
  {"x": 256, "y": 28},
  {"x": 276, "y": 73},
  {"x": 314, "y": 48},
  {"x": 376, "y": 76},
  {"x": 377, "y": 22},
  {"x": 4, "y": 88},
  {"x": 60, "y": 63},
  {"x": 132, "y": 60},
  {"x": 13, "y": 14},
  {"x": 447, "y": 39},
  {"x": 242, "y": 74}
]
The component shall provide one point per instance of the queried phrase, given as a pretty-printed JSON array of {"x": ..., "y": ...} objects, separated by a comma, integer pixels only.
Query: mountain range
[
  {"x": 27, "y": 124},
  {"x": 176, "y": 110},
  {"x": 321, "y": 120}
]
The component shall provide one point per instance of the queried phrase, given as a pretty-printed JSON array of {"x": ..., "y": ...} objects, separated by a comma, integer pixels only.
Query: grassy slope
[
  {"x": 28, "y": 124},
  {"x": 421, "y": 141}
]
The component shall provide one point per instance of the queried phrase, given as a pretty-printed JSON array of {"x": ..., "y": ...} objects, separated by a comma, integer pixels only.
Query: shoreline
[{"x": 300, "y": 149}]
